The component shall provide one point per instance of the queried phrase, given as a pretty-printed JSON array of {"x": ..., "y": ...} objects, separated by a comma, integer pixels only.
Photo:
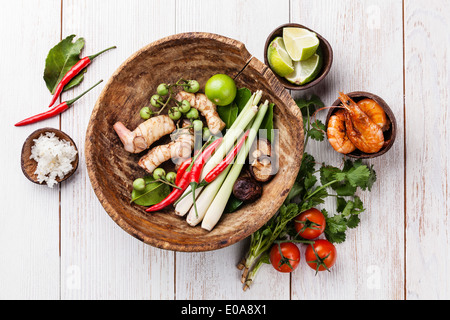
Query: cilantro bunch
[{"x": 313, "y": 185}]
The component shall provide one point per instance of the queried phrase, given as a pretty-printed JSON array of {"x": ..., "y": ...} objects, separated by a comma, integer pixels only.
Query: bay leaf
[
  {"x": 228, "y": 114},
  {"x": 242, "y": 97},
  {"x": 60, "y": 59}
]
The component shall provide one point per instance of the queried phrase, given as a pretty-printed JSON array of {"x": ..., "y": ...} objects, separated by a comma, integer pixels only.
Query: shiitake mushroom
[
  {"x": 261, "y": 167},
  {"x": 247, "y": 189}
]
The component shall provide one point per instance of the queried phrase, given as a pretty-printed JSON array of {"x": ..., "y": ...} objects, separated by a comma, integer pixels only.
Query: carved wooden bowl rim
[{"x": 289, "y": 108}]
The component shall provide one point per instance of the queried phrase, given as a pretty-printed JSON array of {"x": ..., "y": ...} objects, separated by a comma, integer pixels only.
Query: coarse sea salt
[{"x": 53, "y": 156}]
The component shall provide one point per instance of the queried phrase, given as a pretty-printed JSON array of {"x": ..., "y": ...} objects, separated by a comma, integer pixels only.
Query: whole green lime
[{"x": 221, "y": 89}]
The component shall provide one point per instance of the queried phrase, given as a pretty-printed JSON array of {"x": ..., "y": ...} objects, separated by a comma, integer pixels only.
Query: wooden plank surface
[
  {"x": 29, "y": 229},
  {"x": 427, "y": 98},
  {"x": 213, "y": 275},
  {"x": 98, "y": 259},
  {"x": 67, "y": 247},
  {"x": 368, "y": 57}
]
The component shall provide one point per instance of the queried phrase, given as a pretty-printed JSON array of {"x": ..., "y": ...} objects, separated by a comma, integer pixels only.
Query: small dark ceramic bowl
[
  {"x": 325, "y": 47},
  {"x": 29, "y": 165},
  {"x": 389, "y": 135}
]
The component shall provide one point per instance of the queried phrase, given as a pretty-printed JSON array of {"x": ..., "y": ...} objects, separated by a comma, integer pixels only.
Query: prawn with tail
[
  {"x": 357, "y": 126},
  {"x": 364, "y": 133}
]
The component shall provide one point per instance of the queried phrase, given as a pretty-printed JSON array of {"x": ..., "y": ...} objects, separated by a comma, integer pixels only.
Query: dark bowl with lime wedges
[{"x": 320, "y": 67}]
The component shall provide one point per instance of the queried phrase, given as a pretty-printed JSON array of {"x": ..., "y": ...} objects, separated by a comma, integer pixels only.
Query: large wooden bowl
[{"x": 112, "y": 169}]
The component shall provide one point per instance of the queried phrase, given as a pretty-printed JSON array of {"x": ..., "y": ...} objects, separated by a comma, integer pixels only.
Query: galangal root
[
  {"x": 208, "y": 109},
  {"x": 178, "y": 150},
  {"x": 358, "y": 126},
  {"x": 145, "y": 134}
]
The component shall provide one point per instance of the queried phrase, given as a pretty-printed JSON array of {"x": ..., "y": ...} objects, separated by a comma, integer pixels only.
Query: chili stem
[
  {"x": 69, "y": 102},
  {"x": 97, "y": 54}
]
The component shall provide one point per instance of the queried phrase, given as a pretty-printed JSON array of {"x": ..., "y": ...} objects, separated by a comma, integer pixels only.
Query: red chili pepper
[
  {"x": 174, "y": 195},
  {"x": 182, "y": 169},
  {"x": 214, "y": 173},
  {"x": 75, "y": 70},
  {"x": 200, "y": 162},
  {"x": 54, "y": 111},
  {"x": 185, "y": 179}
]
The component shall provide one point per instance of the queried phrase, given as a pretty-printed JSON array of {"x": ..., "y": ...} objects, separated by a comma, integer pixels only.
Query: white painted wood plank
[
  {"x": 29, "y": 229},
  {"x": 213, "y": 275},
  {"x": 366, "y": 37},
  {"x": 427, "y": 49},
  {"x": 98, "y": 259}
]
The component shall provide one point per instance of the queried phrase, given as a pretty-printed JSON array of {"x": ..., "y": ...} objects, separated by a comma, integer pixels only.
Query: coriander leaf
[
  {"x": 344, "y": 189},
  {"x": 353, "y": 222},
  {"x": 60, "y": 59},
  {"x": 308, "y": 165},
  {"x": 310, "y": 181},
  {"x": 312, "y": 104},
  {"x": 340, "y": 204},
  {"x": 335, "y": 228},
  {"x": 358, "y": 176},
  {"x": 336, "y": 237},
  {"x": 327, "y": 174},
  {"x": 317, "y": 131},
  {"x": 296, "y": 190},
  {"x": 371, "y": 180}
]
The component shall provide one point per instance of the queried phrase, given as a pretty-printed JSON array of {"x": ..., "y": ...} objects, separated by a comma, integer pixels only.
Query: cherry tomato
[
  {"x": 310, "y": 224},
  {"x": 321, "y": 255},
  {"x": 285, "y": 257}
]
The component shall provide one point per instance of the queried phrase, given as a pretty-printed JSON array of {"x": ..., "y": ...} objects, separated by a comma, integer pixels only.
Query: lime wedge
[
  {"x": 301, "y": 44},
  {"x": 305, "y": 71},
  {"x": 278, "y": 58}
]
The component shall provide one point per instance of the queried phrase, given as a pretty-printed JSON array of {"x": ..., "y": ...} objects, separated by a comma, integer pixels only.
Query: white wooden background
[{"x": 61, "y": 244}]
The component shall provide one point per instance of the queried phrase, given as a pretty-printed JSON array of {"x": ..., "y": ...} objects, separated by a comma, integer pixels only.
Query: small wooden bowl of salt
[{"x": 49, "y": 156}]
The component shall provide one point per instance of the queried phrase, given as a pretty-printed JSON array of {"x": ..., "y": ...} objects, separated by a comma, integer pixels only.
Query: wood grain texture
[
  {"x": 29, "y": 249},
  {"x": 98, "y": 259},
  {"x": 113, "y": 171},
  {"x": 213, "y": 275},
  {"x": 427, "y": 98},
  {"x": 29, "y": 165},
  {"x": 366, "y": 37}
]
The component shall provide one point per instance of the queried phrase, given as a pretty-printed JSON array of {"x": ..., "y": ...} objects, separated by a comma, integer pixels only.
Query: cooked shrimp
[
  {"x": 365, "y": 135},
  {"x": 178, "y": 150},
  {"x": 337, "y": 135},
  {"x": 375, "y": 112},
  {"x": 145, "y": 134},
  {"x": 208, "y": 109}
]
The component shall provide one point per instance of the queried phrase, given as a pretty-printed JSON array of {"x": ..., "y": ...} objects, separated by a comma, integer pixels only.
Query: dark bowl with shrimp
[{"x": 343, "y": 134}]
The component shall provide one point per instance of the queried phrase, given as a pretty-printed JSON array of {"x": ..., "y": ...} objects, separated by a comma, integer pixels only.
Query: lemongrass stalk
[
  {"x": 219, "y": 203},
  {"x": 244, "y": 118},
  {"x": 235, "y": 131},
  {"x": 204, "y": 200}
]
